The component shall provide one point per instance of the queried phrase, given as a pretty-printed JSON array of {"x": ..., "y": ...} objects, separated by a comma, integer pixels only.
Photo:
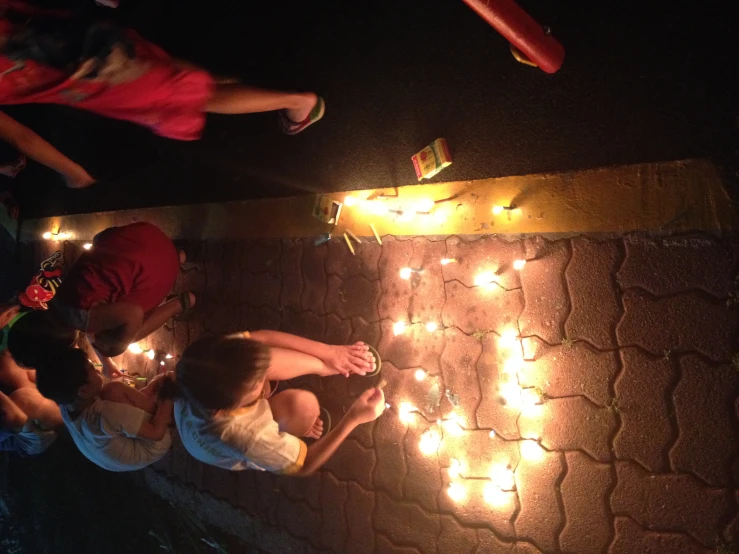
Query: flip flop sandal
[
  {"x": 290, "y": 127},
  {"x": 273, "y": 386},
  {"x": 378, "y": 362},
  {"x": 326, "y": 417},
  {"x": 185, "y": 304}
]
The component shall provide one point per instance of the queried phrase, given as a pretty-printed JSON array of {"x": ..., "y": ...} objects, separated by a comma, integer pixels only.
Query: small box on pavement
[
  {"x": 327, "y": 209},
  {"x": 432, "y": 159}
]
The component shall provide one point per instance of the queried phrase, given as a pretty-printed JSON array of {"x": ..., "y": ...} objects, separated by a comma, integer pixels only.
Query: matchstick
[
  {"x": 374, "y": 231},
  {"x": 349, "y": 244},
  {"x": 352, "y": 235}
]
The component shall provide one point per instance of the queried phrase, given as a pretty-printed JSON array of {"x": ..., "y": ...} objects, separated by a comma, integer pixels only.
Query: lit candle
[
  {"x": 493, "y": 495},
  {"x": 421, "y": 374},
  {"x": 429, "y": 442},
  {"x": 134, "y": 348},
  {"x": 431, "y": 326},
  {"x": 169, "y": 356},
  {"x": 518, "y": 264},
  {"x": 399, "y": 328},
  {"x": 447, "y": 261},
  {"x": 87, "y": 245},
  {"x": 406, "y": 411},
  {"x": 457, "y": 491},
  {"x": 454, "y": 468},
  {"x": 406, "y": 273},
  {"x": 531, "y": 450},
  {"x": 350, "y": 200},
  {"x": 484, "y": 278},
  {"x": 151, "y": 354},
  {"x": 47, "y": 235}
]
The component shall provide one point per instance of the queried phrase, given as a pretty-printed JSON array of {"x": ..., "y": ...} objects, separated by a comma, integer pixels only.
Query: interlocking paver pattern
[{"x": 627, "y": 341}]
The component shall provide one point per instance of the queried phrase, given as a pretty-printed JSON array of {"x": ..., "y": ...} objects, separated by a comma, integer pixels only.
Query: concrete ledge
[{"x": 663, "y": 197}]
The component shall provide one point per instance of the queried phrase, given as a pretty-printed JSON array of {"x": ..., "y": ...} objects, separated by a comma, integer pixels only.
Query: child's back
[{"x": 107, "y": 431}]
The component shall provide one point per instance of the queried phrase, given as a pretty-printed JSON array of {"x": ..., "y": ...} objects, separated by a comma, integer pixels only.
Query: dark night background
[{"x": 642, "y": 81}]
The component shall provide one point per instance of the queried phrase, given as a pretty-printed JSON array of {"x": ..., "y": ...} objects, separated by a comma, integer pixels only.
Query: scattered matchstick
[
  {"x": 349, "y": 244},
  {"x": 381, "y": 384},
  {"x": 352, "y": 235},
  {"x": 374, "y": 232}
]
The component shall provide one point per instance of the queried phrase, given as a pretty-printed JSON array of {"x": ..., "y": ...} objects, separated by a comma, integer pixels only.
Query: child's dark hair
[
  {"x": 38, "y": 336},
  {"x": 216, "y": 372},
  {"x": 61, "y": 378}
]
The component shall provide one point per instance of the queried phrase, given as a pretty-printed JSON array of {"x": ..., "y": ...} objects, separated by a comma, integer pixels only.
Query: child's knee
[{"x": 298, "y": 403}]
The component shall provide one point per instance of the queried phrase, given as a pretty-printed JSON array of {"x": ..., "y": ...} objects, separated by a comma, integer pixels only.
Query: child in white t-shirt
[
  {"x": 226, "y": 417},
  {"x": 115, "y": 426}
]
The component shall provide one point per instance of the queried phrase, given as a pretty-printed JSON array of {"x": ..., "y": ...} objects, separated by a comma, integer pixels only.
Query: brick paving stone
[
  {"x": 659, "y": 325},
  {"x": 406, "y": 524},
  {"x": 631, "y": 538},
  {"x": 253, "y": 319},
  {"x": 422, "y": 480},
  {"x": 268, "y": 496},
  {"x": 221, "y": 483},
  {"x": 415, "y": 348},
  {"x": 459, "y": 363},
  {"x": 343, "y": 264},
  {"x": 365, "y": 331},
  {"x": 315, "y": 285},
  {"x": 547, "y": 302},
  {"x": 299, "y": 520},
  {"x": 385, "y": 546},
  {"x": 234, "y": 274},
  {"x": 479, "y": 455},
  {"x": 303, "y": 324},
  {"x": 396, "y": 291},
  {"x": 214, "y": 270},
  {"x": 572, "y": 423},
  {"x": 391, "y": 465},
  {"x": 247, "y": 497},
  {"x": 525, "y": 548},
  {"x": 596, "y": 307},
  {"x": 659, "y": 501},
  {"x": 260, "y": 289},
  {"x": 644, "y": 409},
  {"x": 707, "y": 438},
  {"x": 222, "y": 318},
  {"x": 353, "y": 462},
  {"x": 291, "y": 274},
  {"x": 483, "y": 308},
  {"x": 491, "y": 413},
  {"x": 360, "y": 505},
  {"x": 488, "y": 253},
  {"x": 355, "y": 296},
  {"x": 334, "y": 527},
  {"x": 306, "y": 489},
  {"x": 585, "y": 494},
  {"x": 338, "y": 331},
  {"x": 427, "y": 296},
  {"x": 679, "y": 264},
  {"x": 455, "y": 539},
  {"x": 488, "y": 543},
  {"x": 540, "y": 520},
  {"x": 192, "y": 280},
  {"x": 261, "y": 255},
  {"x": 572, "y": 370}
]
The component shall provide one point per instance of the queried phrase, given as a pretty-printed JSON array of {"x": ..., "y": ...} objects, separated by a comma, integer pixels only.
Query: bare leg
[
  {"x": 288, "y": 364},
  {"x": 235, "y": 99},
  {"x": 295, "y": 411},
  {"x": 160, "y": 315}
]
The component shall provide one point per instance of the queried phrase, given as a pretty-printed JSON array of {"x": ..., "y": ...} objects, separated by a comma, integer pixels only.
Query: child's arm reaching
[
  {"x": 157, "y": 427},
  {"x": 343, "y": 359},
  {"x": 29, "y": 143}
]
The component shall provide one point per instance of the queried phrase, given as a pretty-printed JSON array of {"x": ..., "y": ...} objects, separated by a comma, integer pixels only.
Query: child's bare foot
[
  {"x": 187, "y": 302},
  {"x": 183, "y": 256},
  {"x": 316, "y": 432}
]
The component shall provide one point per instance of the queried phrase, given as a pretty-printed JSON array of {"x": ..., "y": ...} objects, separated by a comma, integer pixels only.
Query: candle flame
[
  {"x": 134, "y": 348},
  {"x": 429, "y": 442},
  {"x": 399, "y": 328},
  {"x": 484, "y": 278},
  {"x": 518, "y": 264},
  {"x": 457, "y": 491},
  {"x": 421, "y": 374},
  {"x": 405, "y": 273},
  {"x": 431, "y": 326}
]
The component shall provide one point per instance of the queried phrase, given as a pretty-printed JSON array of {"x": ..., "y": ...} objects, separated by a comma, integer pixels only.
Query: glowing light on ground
[
  {"x": 399, "y": 328},
  {"x": 494, "y": 496},
  {"x": 134, "y": 348},
  {"x": 151, "y": 354},
  {"x": 431, "y": 326},
  {"x": 508, "y": 339},
  {"x": 421, "y": 374},
  {"x": 406, "y": 216},
  {"x": 491, "y": 434},
  {"x": 497, "y": 210},
  {"x": 447, "y": 261},
  {"x": 457, "y": 491},
  {"x": 455, "y": 468},
  {"x": 503, "y": 477},
  {"x": 511, "y": 393},
  {"x": 429, "y": 443},
  {"x": 531, "y": 450},
  {"x": 350, "y": 200},
  {"x": 530, "y": 399},
  {"x": 47, "y": 235},
  {"x": 484, "y": 278},
  {"x": 87, "y": 245},
  {"x": 425, "y": 205},
  {"x": 513, "y": 364},
  {"x": 440, "y": 216},
  {"x": 453, "y": 425},
  {"x": 518, "y": 264},
  {"x": 406, "y": 411},
  {"x": 169, "y": 356},
  {"x": 406, "y": 273}
]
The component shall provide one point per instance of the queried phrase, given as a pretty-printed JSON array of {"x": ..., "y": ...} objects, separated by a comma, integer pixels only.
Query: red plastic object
[{"x": 522, "y": 31}]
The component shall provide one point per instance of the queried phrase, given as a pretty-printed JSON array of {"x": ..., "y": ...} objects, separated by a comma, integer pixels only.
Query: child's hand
[
  {"x": 7, "y": 313},
  {"x": 368, "y": 407},
  {"x": 350, "y": 359},
  {"x": 79, "y": 180}
]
